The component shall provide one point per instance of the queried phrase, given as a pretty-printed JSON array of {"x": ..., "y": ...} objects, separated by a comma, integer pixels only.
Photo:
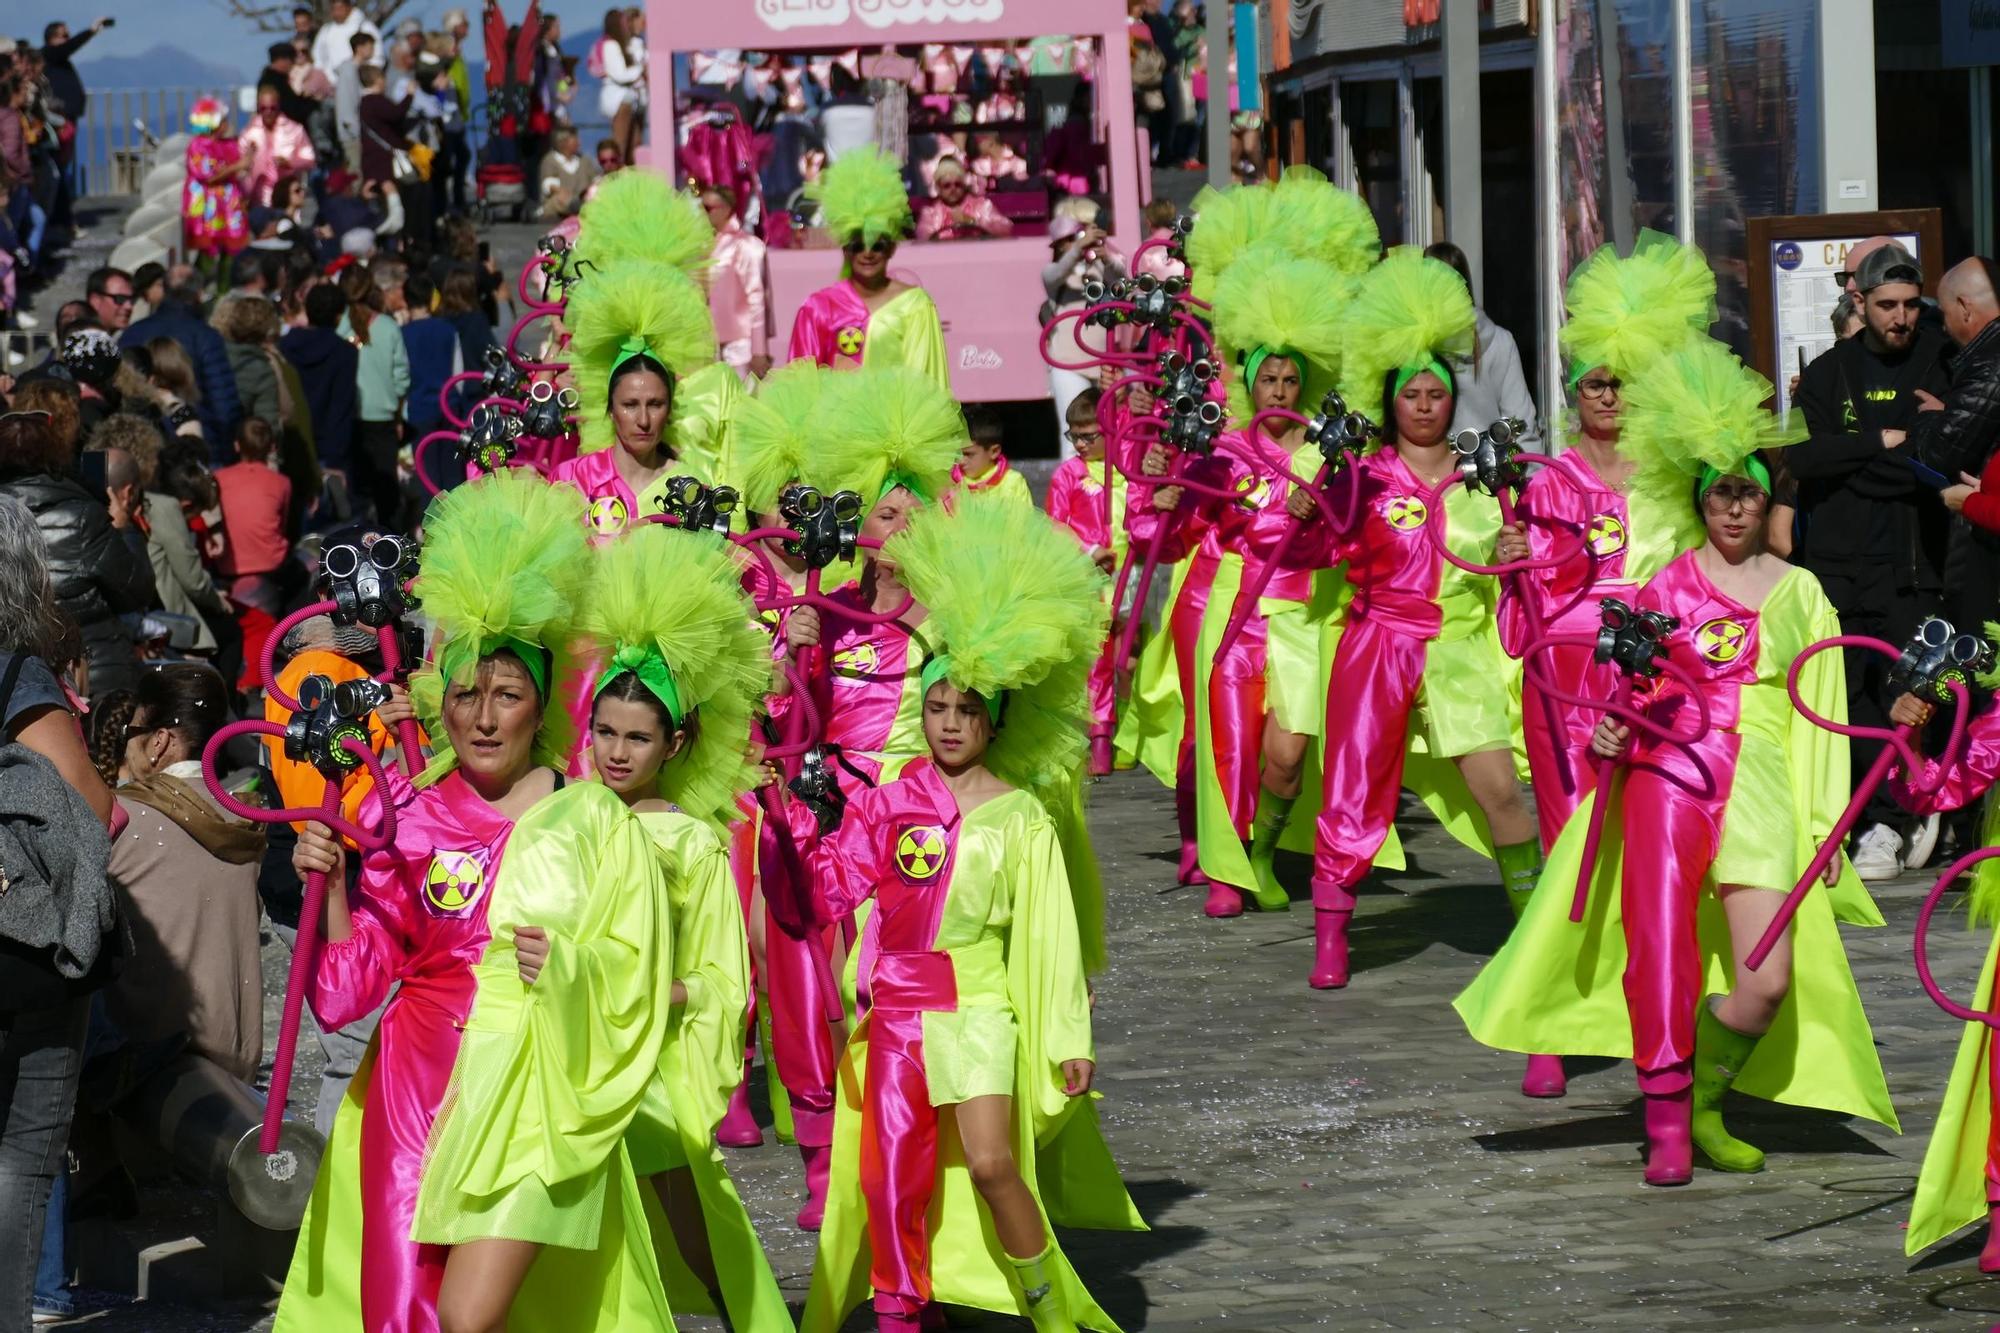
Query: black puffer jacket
[
  {"x": 98, "y": 574},
  {"x": 1960, "y": 439}
]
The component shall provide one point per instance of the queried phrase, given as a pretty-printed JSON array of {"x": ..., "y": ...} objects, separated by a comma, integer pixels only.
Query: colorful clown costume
[
  {"x": 1745, "y": 805},
  {"x": 974, "y": 986}
]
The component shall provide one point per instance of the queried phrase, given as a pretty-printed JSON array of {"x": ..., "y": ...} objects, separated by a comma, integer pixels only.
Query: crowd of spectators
[{"x": 41, "y": 105}]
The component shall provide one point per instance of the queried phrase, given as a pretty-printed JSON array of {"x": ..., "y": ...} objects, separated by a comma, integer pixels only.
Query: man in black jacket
[
  {"x": 327, "y": 364},
  {"x": 277, "y": 75},
  {"x": 1958, "y": 440},
  {"x": 1871, "y": 525}
]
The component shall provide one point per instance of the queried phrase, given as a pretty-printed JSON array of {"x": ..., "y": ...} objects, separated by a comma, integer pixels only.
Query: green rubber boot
[
  {"x": 1045, "y": 1304},
  {"x": 1520, "y": 870},
  {"x": 1272, "y": 813},
  {"x": 1720, "y": 1052}
]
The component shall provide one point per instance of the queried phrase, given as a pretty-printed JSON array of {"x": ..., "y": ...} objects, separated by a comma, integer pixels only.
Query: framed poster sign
[{"x": 1796, "y": 272}]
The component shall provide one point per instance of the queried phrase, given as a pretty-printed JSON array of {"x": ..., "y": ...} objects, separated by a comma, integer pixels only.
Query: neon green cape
[
  {"x": 906, "y": 331},
  {"x": 1951, "y": 1188},
  {"x": 1057, "y": 1143},
  {"x": 1555, "y": 986}
]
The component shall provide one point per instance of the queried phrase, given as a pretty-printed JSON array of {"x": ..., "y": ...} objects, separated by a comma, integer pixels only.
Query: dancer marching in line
[
  {"x": 1702, "y": 840},
  {"x": 869, "y": 319},
  {"x": 503, "y": 568},
  {"x": 1624, "y": 314},
  {"x": 574, "y": 1171},
  {"x": 1414, "y": 679},
  {"x": 1087, "y": 495},
  {"x": 969, "y": 1073}
]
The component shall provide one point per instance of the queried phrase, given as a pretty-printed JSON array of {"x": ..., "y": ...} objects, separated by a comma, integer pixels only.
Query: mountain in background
[{"x": 159, "y": 66}]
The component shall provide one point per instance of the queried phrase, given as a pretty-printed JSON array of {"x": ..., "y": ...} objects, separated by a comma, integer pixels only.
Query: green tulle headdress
[
  {"x": 890, "y": 427},
  {"x": 1272, "y": 303},
  {"x": 672, "y": 612},
  {"x": 1315, "y": 219},
  {"x": 637, "y": 214},
  {"x": 637, "y": 308},
  {"x": 1227, "y": 222},
  {"x": 1697, "y": 412},
  {"x": 862, "y": 194},
  {"x": 779, "y": 436},
  {"x": 1017, "y": 610},
  {"x": 1408, "y": 314},
  {"x": 1626, "y": 313},
  {"x": 504, "y": 564}
]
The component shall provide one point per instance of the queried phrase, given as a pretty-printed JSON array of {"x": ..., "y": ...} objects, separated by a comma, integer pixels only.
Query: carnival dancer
[
  {"x": 982, "y": 461},
  {"x": 892, "y": 441},
  {"x": 1738, "y": 813},
  {"x": 1960, "y": 1180},
  {"x": 1418, "y": 669},
  {"x": 1277, "y": 320},
  {"x": 1087, "y": 495},
  {"x": 869, "y": 318},
  {"x": 968, "y": 1077},
  {"x": 1624, "y": 313},
  {"x": 737, "y": 279},
  {"x": 603, "y": 1043},
  {"x": 635, "y": 329},
  {"x": 503, "y": 566}
]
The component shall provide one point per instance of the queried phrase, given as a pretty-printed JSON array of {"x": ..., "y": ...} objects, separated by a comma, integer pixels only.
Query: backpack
[{"x": 593, "y": 63}]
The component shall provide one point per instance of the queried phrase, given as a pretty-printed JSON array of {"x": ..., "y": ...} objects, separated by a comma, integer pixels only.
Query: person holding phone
[{"x": 1870, "y": 522}]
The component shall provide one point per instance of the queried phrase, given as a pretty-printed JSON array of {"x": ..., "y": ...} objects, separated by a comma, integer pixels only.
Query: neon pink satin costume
[
  {"x": 1615, "y": 558},
  {"x": 1081, "y": 501},
  {"x": 285, "y": 142},
  {"x": 1412, "y": 611},
  {"x": 419, "y": 926},
  {"x": 736, "y": 297},
  {"x": 1204, "y": 531},
  {"x": 613, "y": 507}
]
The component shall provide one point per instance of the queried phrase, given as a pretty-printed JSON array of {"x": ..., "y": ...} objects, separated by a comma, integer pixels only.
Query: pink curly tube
[
  {"x": 513, "y": 347},
  {"x": 444, "y": 396},
  {"x": 1630, "y": 712},
  {"x": 535, "y": 303},
  {"x": 1896, "y": 743},
  {"x": 305, "y": 947},
  {"x": 1920, "y": 940},
  {"x": 267, "y": 661}
]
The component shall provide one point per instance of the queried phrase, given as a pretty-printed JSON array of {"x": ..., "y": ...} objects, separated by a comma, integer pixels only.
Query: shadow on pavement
[{"x": 1109, "y": 1261}]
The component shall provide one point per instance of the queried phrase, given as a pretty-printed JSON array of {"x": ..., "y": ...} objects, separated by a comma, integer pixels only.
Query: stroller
[{"x": 500, "y": 176}]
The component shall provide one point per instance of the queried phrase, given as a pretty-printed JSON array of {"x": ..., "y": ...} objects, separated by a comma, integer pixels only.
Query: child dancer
[
  {"x": 982, "y": 461},
  {"x": 1087, "y": 495},
  {"x": 974, "y": 1059},
  {"x": 503, "y": 566},
  {"x": 603, "y": 1044},
  {"x": 1737, "y": 813}
]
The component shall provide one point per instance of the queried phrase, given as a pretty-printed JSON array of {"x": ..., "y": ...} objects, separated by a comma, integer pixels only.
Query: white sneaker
[
  {"x": 24, "y": 320},
  {"x": 1922, "y": 843},
  {"x": 1877, "y": 853}
]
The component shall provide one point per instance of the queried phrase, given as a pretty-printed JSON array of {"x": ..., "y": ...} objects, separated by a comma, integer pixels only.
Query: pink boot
[
  {"x": 739, "y": 1128},
  {"x": 1669, "y": 1149},
  {"x": 1545, "y": 1077},
  {"x": 1223, "y": 901},
  {"x": 900, "y": 1314},
  {"x": 1329, "y": 950},
  {"x": 1100, "y": 756},
  {"x": 819, "y": 1163},
  {"x": 1184, "y": 816},
  {"x": 1989, "y": 1255}
]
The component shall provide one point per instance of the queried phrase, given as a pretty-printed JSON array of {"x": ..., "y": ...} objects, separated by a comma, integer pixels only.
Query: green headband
[
  {"x": 636, "y": 345},
  {"x": 905, "y": 481},
  {"x": 651, "y": 669},
  {"x": 1255, "y": 361},
  {"x": 1577, "y": 370},
  {"x": 459, "y": 659},
  {"x": 1753, "y": 468},
  {"x": 1418, "y": 367},
  {"x": 939, "y": 668}
]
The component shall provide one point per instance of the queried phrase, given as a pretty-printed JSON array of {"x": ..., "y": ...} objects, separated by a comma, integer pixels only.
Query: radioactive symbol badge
[
  {"x": 856, "y": 661},
  {"x": 1606, "y": 535},
  {"x": 851, "y": 340},
  {"x": 608, "y": 516},
  {"x": 1720, "y": 640},
  {"x": 1405, "y": 512},
  {"x": 920, "y": 853},
  {"x": 454, "y": 882}
]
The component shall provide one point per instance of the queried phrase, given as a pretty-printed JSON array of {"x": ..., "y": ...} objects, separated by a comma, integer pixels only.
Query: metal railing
[{"x": 111, "y": 143}]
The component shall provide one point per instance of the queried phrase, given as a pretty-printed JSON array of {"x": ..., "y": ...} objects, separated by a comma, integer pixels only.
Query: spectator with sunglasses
[{"x": 1870, "y": 524}]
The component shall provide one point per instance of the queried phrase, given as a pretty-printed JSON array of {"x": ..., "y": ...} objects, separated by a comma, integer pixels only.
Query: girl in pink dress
[{"x": 215, "y": 217}]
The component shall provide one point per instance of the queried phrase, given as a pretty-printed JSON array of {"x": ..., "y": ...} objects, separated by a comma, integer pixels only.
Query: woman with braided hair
[{"x": 1701, "y": 840}]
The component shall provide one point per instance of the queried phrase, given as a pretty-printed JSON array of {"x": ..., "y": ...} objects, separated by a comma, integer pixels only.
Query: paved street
[{"x": 1354, "y": 1161}]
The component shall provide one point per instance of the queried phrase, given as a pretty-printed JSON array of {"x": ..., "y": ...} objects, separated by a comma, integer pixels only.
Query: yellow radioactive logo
[
  {"x": 1606, "y": 535},
  {"x": 454, "y": 882},
  {"x": 851, "y": 340},
  {"x": 859, "y": 660},
  {"x": 771, "y": 618},
  {"x": 1405, "y": 512},
  {"x": 1720, "y": 640},
  {"x": 920, "y": 852},
  {"x": 1253, "y": 492},
  {"x": 608, "y": 515}
]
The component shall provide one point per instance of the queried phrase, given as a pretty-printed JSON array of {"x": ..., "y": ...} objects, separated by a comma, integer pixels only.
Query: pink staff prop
[
  {"x": 1635, "y": 643},
  {"x": 1920, "y": 941},
  {"x": 1932, "y": 679},
  {"x": 334, "y": 738}
]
